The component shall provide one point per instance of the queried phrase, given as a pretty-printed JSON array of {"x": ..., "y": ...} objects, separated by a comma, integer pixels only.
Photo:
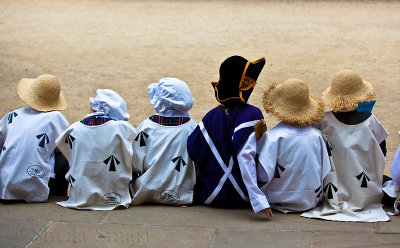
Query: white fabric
[
  {"x": 227, "y": 169},
  {"x": 246, "y": 124},
  {"x": 248, "y": 170},
  {"x": 170, "y": 97},
  {"x": 100, "y": 160},
  {"x": 110, "y": 103},
  {"x": 1, "y": 138},
  {"x": 304, "y": 161},
  {"x": 166, "y": 173},
  {"x": 393, "y": 191},
  {"x": 27, "y": 161},
  {"x": 395, "y": 167},
  {"x": 357, "y": 167},
  {"x": 392, "y": 187}
]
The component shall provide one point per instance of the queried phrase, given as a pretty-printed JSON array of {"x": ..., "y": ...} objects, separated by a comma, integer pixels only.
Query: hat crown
[
  {"x": 294, "y": 92},
  {"x": 346, "y": 82},
  {"x": 46, "y": 87}
]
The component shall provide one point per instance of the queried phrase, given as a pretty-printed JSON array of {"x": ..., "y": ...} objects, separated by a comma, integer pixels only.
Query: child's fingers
[{"x": 267, "y": 211}]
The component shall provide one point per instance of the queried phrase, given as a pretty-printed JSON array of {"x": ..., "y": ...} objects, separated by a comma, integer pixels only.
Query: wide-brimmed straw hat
[
  {"x": 347, "y": 90},
  {"x": 237, "y": 78},
  {"x": 291, "y": 102},
  {"x": 42, "y": 93}
]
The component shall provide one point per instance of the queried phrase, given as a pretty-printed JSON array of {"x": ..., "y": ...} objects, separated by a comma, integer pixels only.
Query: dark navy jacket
[{"x": 220, "y": 128}]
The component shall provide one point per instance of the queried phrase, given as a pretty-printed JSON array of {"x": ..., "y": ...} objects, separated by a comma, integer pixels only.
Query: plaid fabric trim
[
  {"x": 95, "y": 120},
  {"x": 169, "y": 121}
]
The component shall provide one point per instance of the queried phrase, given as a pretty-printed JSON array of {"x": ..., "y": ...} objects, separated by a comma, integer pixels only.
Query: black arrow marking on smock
[
  {"x": 69, "y": 140},
  {"x": 318, "y": 191},
  {"x": 278, "y": 168},
  {"x": 44, "y": 139},
  {"x": 178, "y": 164},
  {"x": 71, "y": 179},
  {"x": 142, "y": 136},
  {"x": 257, "y": 161},
  {"x": 362, "y": 176},
  {"x": 113, "y": 161},
  {"x": 329, "y": 149},
  {"x": 11, "y": 116},
  {"x": 329, "y": 188}
]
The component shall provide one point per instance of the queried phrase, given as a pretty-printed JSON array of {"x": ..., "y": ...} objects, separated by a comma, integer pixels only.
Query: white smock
[
  {"x": 27, "y": 153},
  {"x": 392, "y": 187},
  {"x": 166, "y": 173},
  {"x": 295, "y": 162},
  {"x": 353, "y": 187},
  {"x": 100, "y": 161}
]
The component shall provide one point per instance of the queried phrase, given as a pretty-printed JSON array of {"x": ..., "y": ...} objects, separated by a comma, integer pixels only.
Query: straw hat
[
  {"x": 291, "y": 102},
  {"x": 42, "y": 93},
  {"x": 237, "y": 78},
  {"x": 347, "y": 90}
]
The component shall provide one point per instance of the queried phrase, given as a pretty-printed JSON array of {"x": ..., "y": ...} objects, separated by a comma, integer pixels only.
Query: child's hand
[{"x": 267, "y": 211}]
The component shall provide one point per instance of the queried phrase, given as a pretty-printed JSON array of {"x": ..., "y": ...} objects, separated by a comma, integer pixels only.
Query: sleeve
[
  {"x": 2, "y": 132},
  {"x": 246, "y": 126},
  {"x": 196, "y": 147},
  {"x": 64, "y": 143},
  {"x": 63, "y": 124},
  {"x": 246, "y": 160},
  {"x": 379, "y": 132},
  {"x": 1, "y": 138},
  {"x": 325, "y": 162},
  {"x": 139, "y": 147},
  {"x": 268, "y": 157},
  {"x": 395, "y": 168}
]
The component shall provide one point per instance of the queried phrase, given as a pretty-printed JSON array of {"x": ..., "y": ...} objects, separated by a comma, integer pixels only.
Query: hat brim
[
  {"x": 26, "y": 94},
  {"x": 293, "y": 114},
  {"x": 255, "y": 68},
  {"x": 348, "y": 102}
]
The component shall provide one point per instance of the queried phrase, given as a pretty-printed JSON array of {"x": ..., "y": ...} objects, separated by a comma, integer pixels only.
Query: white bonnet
[
  {"x": 110, "y": 103},
  {"x": 171, "y": 97}
]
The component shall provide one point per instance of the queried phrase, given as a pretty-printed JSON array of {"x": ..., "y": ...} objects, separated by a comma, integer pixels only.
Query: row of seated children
[{"x": 227, "y": 160}]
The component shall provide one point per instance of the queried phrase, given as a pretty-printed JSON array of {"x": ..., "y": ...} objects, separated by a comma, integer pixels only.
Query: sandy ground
[{"x": 126, "y": 45}]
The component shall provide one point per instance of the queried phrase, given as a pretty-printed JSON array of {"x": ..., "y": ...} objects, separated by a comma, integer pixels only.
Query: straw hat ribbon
[
  {"x": 291, "y": 102},
  {"x": 42, "y": 93},
  {"x": 347, "y": 90}
]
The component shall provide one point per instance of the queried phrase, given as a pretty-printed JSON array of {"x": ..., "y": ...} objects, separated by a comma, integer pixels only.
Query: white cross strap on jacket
[{"x": 226, "y": 169}]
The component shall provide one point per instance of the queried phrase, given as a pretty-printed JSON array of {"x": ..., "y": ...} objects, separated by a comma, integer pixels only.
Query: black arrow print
[
  {"x": 329, "y": 188},
  {"x": 362, "y": 176},
  {"x": 69, "y": 140},
  {"x": 329, "y": 148},
  {"x": 178, "y": 164},
  {"x": 277, "y": 168},
  {"x": 142, "y": 136},
  {"x": 44, "y": 139},
  {"x": 10, "y": 117},
  {"x": 318, "y": 191},
  {"x": 114, "y": 161},
  {"x": 71, "y": 179},
  {"x": 257, "y": 161},
  {"x": 4, "y": 148}
]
